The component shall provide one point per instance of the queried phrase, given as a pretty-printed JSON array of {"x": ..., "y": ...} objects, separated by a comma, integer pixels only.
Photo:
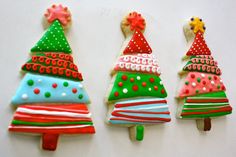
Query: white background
[{"x": 96, "y": 38}]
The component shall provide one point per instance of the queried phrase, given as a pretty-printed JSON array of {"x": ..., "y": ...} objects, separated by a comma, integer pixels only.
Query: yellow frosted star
[{"x": 197, "y": 25}]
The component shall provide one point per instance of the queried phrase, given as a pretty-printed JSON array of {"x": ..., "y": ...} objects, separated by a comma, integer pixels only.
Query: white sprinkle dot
[
  {"x": 63, "y": 94},
  {"x": 194, "y": 84},
  {"x": 203, "y": 75},
  {"x": 204, "y": 88},
  {"x": 125, "y": 90},
  {"x": 149, "y": 89},
  {"x": 161, "y": 83},
  {"x": 80, "y": 86},
  {"x": 39, "y": 80},
  {"x": 212, "y": 82},
  {"x": 24, "y": 96},
  {"x": 138, "y": 77}
]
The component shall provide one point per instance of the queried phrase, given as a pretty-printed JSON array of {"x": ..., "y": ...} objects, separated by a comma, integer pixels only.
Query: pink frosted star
[{"x": 58, "y": 12}]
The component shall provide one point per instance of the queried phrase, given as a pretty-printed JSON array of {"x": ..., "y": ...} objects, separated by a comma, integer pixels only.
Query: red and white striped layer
[{"x": 58, "y": 119}]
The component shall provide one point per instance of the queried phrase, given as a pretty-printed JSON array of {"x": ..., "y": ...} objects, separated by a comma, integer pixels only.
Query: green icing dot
[
  {"x": 30, "y": 82},
  {"x": 209, "y": 77},
  {"x": 47, "y": 94},
  {"x": 80, "y": 96},
  {"x": 198, "y": 79},
  {"x": 218, "y": 86},
  {"x": 197, "y": 91},
  {"x": 66, "y": 84},
  {"x": 186, "y": 82}
]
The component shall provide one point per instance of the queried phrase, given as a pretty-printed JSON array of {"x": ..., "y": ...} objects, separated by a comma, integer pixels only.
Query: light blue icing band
[{"x": 66, "y": 91}]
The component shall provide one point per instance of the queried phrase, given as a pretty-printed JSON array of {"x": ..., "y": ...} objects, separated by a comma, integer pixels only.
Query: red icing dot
[
  {"x": 124, "y": 77},
  {"x": 135, "y": 87},
  {"x": 54, "y": 85},
  {"x": 36, "y": 91},
  {"x": 155, "y": 88},
  {"x": 210, "y": 89},
  {"x": 163, "y": 91},
  {"x": 151, "y": 80},
  {"x": 204, "y": 82},
  {"x": 192, "y": 76},
  {"x": 116, "y": 94},
  {"x": 215, "y": 77},
  {"x": 223, "y": 87},
  {"x": 131, "y": 79},
  {"x": 144, "y": 84},
  {"x": 120, "y": 84},
  {"x": 186, "y": 91},
  {"x": 74, "y": 90}
]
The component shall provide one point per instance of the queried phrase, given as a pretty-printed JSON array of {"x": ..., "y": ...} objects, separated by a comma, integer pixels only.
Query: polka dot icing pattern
[
  {"x": 137, "y": 44},
  {"x": 199, "y": 46},
  {"x": 39, "y": 89},
  {"x": 145, "y": 63},
  {"x": 197, "y": 83},
  {"x": 53, "y": 40},
  {"x": 203, "y": 64},
  {"x": 130, "y": 85}
]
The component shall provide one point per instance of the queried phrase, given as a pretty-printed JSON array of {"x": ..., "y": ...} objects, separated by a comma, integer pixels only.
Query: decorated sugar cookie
[
  {"x": 51, "y": 99},
  {"x": 137, "y": 95},
  {"x": 202, "y": 94}
]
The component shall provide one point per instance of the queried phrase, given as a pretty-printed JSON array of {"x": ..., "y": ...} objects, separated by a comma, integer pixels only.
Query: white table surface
[{"x": 96, "y": 38}]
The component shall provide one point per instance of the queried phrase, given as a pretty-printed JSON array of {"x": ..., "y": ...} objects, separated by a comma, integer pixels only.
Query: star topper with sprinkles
[
  {"x": 202, "y": 94},
  {"x": 51, "y": 99}
]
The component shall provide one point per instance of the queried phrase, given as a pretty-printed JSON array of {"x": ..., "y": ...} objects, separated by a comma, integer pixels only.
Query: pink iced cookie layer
[
  {"x": 138, "y": 63},
  {"x": 199, "y": 83}
]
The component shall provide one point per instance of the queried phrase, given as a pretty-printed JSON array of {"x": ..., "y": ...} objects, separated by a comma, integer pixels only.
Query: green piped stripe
[
  {"x": 18, "y": 122},
  {"x": 139, "y": 132},
  {"x": 210, "y": 95},
  {"x": 207, "y": 115}
]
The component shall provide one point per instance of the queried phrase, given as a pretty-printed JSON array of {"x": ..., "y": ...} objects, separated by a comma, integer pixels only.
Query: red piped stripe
[
  {"x": 75, "y": 108},
  {"x": 141, "y": 121},
  {"x": 136, "y": 117},
  {"x": 61, "y": 130},
  {"x": 140, "y": 103},
  {"x": 189, "y": 100},
  {"x": 224, "y": 109}
]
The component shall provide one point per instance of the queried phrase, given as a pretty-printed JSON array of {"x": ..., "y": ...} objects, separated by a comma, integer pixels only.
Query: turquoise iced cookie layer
[{"x": 38, "y": 89}]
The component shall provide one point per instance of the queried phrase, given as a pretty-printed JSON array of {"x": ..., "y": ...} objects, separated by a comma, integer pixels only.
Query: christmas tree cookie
[
  {"x": 51, "y": 99},
  {"x": 136, "y": 95},
  {"x": 202, "y": 94}
]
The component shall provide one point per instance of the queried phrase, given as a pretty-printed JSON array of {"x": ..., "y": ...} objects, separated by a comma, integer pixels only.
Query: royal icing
[
  {"x": 58, "y": 12},
  {"x": 135, "y": 21},
  {"x": 54, "y": 64},
  {"x": 199, "y": 46},
  {"x": 53, "y": 40},
  {"x": 136, "y": 85},
  {"x": 140, "y": 111},
  {"x": 49, "y": 89},
  {"x": 145, "y": 63},
  {"x": 202, "y": 63},
  {"x": 137, "y": 44},
  {"x": 51, "y": 99},
  {"x": 203, "y": 90}
]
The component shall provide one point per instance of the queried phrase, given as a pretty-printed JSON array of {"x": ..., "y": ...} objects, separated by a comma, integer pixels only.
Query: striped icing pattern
[
  {"x": 70, "y": 118},
  {"x": 203, "y": 107},
  {"x": 140, "y": 111}
]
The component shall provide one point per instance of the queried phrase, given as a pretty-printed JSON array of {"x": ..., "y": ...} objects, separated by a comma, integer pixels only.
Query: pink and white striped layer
[{"x": 145, "y": 63}]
